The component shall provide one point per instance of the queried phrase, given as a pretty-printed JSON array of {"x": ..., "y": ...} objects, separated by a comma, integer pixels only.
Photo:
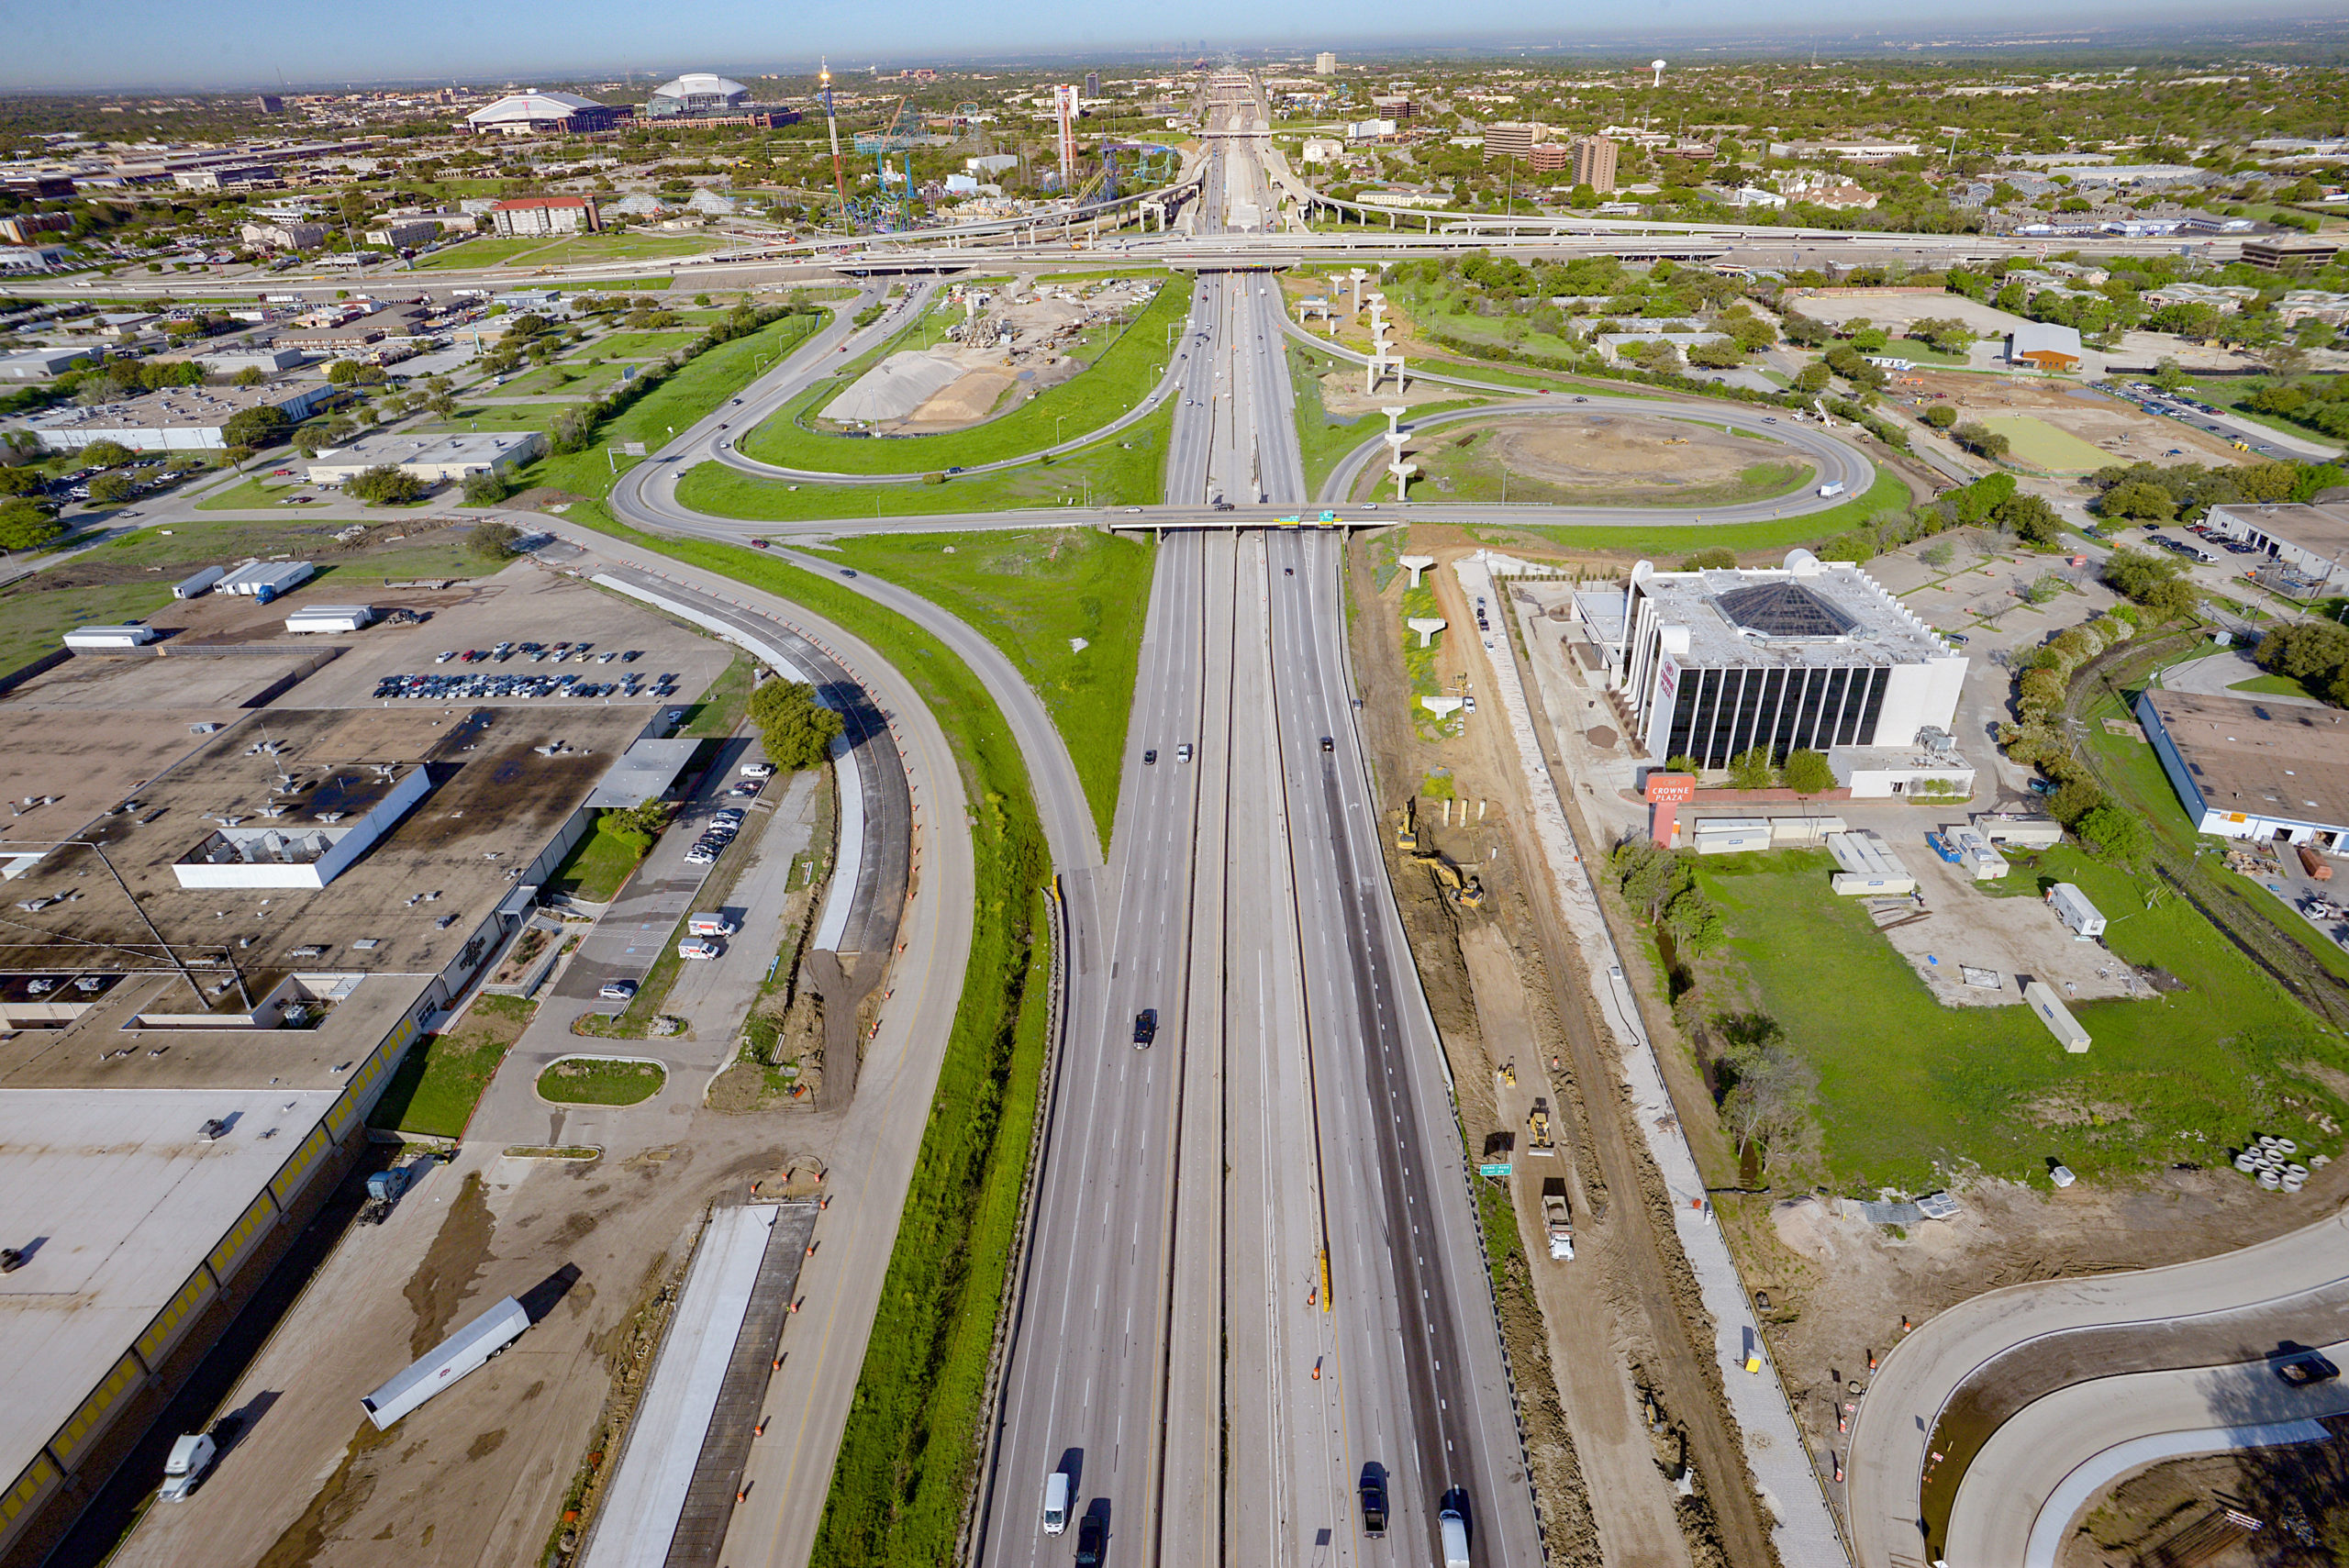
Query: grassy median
[
  {"x": 1066, "y": 606},
  {"x": 913, "y": 1438},
  {"x": 1888, "y": 494}
]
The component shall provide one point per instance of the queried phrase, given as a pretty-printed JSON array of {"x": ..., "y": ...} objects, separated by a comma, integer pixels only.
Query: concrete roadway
[{"x": 1952, "y": 1386}]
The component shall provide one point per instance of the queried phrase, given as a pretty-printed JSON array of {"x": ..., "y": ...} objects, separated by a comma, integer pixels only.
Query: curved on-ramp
[{"x": 1945, "y": 1396}]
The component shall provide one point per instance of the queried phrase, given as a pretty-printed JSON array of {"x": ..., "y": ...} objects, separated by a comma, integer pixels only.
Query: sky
[{"x": 133, "y": 44}]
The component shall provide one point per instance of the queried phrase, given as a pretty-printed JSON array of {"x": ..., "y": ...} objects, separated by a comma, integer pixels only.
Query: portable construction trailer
[
  {"x": 98, "y": 638},
  {"x": 1726, "y": 835},
  {"x": 459, "y": 1353},
  {"x": 1802, "y": 831},
  {"x": 2041, "y": 998},
  {"x": 1971, "y": 849},
  {"x": 2072, "y": 907},
  {"x": 200, "y": 584},
  {"x": 1868, "y": 866},
  {"x": 332, "y": 618},
  {"x": 2019, "y": 832}
]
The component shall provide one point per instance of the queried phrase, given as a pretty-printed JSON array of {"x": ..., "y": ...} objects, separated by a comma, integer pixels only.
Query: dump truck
[{"x": 1555, "y": 1219}]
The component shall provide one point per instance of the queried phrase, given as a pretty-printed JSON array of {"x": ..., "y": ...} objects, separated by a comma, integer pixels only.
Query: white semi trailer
[{"x": 458, "y": 1355}]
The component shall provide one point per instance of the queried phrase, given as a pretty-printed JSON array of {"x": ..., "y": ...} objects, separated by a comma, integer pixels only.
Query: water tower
[{"x": 1656, "y": 66}]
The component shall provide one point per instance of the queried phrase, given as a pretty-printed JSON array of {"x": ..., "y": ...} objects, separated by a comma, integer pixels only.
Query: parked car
[{"x": 618, "y": 990}]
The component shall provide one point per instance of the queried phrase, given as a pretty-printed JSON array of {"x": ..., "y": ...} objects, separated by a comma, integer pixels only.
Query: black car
[
  {"x": 1092, "y": 1535},
  {"x": 1145, "y": 1028},
  {"x": 1150, "y": 756},
  {"x": 1373, "y": 1500},
  {"x": 1327, "y": 744},
  {"x": 2300, "y": 1371}
]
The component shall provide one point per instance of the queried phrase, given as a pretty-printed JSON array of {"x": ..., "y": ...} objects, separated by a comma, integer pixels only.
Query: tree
[
  {"x": 2168, "y": 377},
  {"x": 492, "y": 541},
  {"x": 573, "y": 429},
  {"x": 1807, "y": 772},
  {"x": 2137, "y": 499},
  {"x": 1717, "y": 558},
  {"x": 22, "y": 482},
  {"x": 105, "y": 454},
  {"x": 1941, "y": 415},
  {"x": 1812, "y": 378},
  {"x": 796, "y": 730},
  {"x": 1751, "y": 769},
  {"x": 1937, "y": 554},
  {"x": 2108, "y": 831},
  {"x": 27, "y": 525},
  {"x": 384, "y": 486},
  {"x": 486, "y": 487},
  {"x": 2031, "y": 520},
  {"x": 1717, "y": 354},
  {"x": 112, "y": 489},
  {"x": 248, "y": 376},
  {"x": 259, "y": 427}
]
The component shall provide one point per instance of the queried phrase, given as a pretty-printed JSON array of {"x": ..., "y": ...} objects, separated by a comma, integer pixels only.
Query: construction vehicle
[
  {"x": 1406, "y": 835},
  {"x": 1462, "y": 887},
  {"x": 1537, "y": 1122},
  {"x": 1555, "y": 1219}
]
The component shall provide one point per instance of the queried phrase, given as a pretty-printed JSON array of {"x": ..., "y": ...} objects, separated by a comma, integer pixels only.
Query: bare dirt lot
[
  {"x": 2128, "y": 434},
  {"x": 1602, "y": 460},
  {"x": 2013, "y": 939}
]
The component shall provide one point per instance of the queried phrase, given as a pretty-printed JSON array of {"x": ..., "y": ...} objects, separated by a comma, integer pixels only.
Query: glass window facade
[{"x": 1719, "y": 713}]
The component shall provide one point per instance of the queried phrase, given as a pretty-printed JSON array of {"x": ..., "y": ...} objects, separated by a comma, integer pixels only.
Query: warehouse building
[
  {"x": 1710, "y": 664},
  {"x": 2248, "y": 769},
  {"x": 527, "y": 113},
  {"x": 2045, "y": 345},
  {"x": 435, "y": 460},
  {"x": 177, "y": 418},
  {"x": 2306, "y": 542},
  {"x": 45, "y": 364}
]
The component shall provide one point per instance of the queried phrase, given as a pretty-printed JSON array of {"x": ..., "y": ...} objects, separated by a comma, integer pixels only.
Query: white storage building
[
  {"x": 330, "y": 618},
  {"x": 2042, "y": 999},
  {"x": 2072, "y": 907}
]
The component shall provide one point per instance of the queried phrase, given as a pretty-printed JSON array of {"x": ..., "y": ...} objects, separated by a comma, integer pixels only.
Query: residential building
[
  {"x": 546, "y": 215},
  {"x": 1325, "y": 64},
  {"x": 1322, "y": 150},
  {"x": 1369, "y": 130},
  {"x": 529, "y": 113},
  {"x": 20, "y": 229},
  {"x": 2225, "y": 298},
  {"x": 2045, "y": 345},
  {"x": 1595, "y": 163},
  {"x": 2312, "y": 305},
  {"x": 2248, "y": 768},
  {"x": 283, "y": 236},
  {"x": 403, "y": 233},
  {"x": 1711, "y": 665},
  {"x": 435, "y": 460},
  {"x": 178, "y": 418},
  {"x": 1093, "y": 83}
]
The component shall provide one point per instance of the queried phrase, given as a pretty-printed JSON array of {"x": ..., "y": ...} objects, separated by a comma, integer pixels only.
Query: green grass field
[
  {"x": 443, "y": 1076},
  {"x": 34, "y": 619},
  {"x": 481, "y": 251},
  {"x": 1032, "y": 595},
  {"x": 1321, "y": 437},
  {"x": 640, "y": 345},
  {"x": 1125, "y": 470},
  {"x": 2041, "y": 444},
  {"x": 1889, "y": 492},
  {"x": 618, "y": 248},
  {"x": 706, "y": 381},
  {"x": 597, "y": 867},
  {"x": 260, "y": 491},
  {"x": 2276, "y": 686},
  {"x": 581, "y": 1081},
  {"x": 1912, "y": 1093},
  {"x": 1119, "y": 377},
  {"x": 499, "y": 415}
]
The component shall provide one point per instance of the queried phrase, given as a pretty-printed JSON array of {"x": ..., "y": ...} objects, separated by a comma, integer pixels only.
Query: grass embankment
[
  {"x": 720, "y": 709},
  {"x": 1035, "y": 596},
  {"x": 263, "y": 491},
  {"x": 1912, "y": 1093},
  {"x": 1890, "y": 492},
  {"x": 598, "y": 865},
  {"x": 913, "y": 1436},
  {"x": 703, "y": 383},
  {"x": 473, "y": 416},
  {"x": 1119, "y": 377},
  {"x": 1461, "y": 465},
  {"x": 2276, "y": 686},
  {"x": 1128, "y": 468},
  {"x": 441, "y": 1078},
  {"x": 1418, "y": 663},
  {"x": 595, "y": 1081}
]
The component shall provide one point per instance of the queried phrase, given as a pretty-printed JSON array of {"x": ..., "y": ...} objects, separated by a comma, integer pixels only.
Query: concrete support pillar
[
  {"x": 1394, "y": 414},
  {"x": 1415, "y": 565},
  {"x": 1442, "y": 707},
  {"x": 1426, "y": 626},
  {"x": 1402, "y": 472}
]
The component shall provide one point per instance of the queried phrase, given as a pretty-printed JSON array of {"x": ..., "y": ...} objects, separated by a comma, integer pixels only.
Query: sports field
[{"x": 2041, "y": 444}]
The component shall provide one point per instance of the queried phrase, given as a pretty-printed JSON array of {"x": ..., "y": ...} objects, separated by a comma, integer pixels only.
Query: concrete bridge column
[
  {"x": 1426, "y": 626},
  {"x": 1415, "y": 565}
]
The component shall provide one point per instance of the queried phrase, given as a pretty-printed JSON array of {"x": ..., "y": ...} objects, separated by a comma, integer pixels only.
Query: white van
[
  {"x": 710, "y": 926},
  {"x": 699, "y": 947},
  {"x": 1455, "y": 1531},
  {"x": 1056, "y": 1502},
  {"x": 758, "y": 769}
]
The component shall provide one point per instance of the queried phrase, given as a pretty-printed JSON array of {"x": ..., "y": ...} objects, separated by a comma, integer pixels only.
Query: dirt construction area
[
  {"x": 2123, "y": 433},
  {"x": 1604, "y": 459},
  {"x": 1974, "y": 949}
]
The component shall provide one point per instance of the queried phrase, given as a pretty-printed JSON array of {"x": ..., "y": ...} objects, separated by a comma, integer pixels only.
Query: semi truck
[
  {"x": 465, "y": 1351},
  {"x": 383, "y": 1190},
  {"x": 1555, "y": 1218},
  {"x": 183, "y": 1470}
]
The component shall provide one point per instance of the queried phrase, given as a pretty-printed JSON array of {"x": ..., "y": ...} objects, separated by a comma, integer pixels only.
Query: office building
[
  {"x": 2248, "y": 769},
  {"x": 1551, "y": 158},
  {"x": 2290, "y": 253},
  {"x": 20, "y": 229},
  {"x": 1510, "y": 138},
  {"x": 546, "y": 215},
  {"x": 1710, "y": 664},
  {"x": 227, "y": 177},
  {"x": 1325, "y": 64},
  {"x": 288, "y": 235},
  {"x": 1093, "y": 83},
  {"x": 1595, "y": 163},
  {"x": 403, "y": 233}
]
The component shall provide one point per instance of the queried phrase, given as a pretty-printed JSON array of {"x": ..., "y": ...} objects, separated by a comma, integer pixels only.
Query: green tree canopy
[
  {"x": 27, "y": 525},
  {"x": 796, "y": 729},
  {"x": 384, "y": 486},
  {"x": 105, "y": 454},
  {"x": 1807, "y": 772},
  {"x": 256, "y": 426}
]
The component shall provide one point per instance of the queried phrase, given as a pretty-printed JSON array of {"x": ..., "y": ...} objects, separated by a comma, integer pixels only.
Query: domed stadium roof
[
  {"x": 531, "y": 106},
  {"x": 702, "y": 84}
]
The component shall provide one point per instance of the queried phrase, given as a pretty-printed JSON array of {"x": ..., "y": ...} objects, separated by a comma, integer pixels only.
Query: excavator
[{"x": 1463, "y": 888}]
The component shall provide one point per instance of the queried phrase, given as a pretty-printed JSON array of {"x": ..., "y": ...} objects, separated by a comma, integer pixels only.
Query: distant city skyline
[{"x": 159, "y": 45}]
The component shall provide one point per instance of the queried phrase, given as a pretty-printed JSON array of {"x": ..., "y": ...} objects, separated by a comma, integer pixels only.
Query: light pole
[{"x": 1056, "y": 428}]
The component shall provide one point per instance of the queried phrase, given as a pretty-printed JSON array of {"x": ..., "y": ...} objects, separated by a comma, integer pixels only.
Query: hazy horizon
[{"x": 155, "y": 46}]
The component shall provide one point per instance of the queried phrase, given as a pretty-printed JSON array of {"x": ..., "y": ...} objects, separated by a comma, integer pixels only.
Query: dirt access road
[{"x": 1627, "y": 1325}]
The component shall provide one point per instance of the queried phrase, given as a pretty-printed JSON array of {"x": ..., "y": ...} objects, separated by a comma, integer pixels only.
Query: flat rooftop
[
  {"x": 118, "y": 1200},
  {"x": 177, "y": 407},
  {"x": 2266, "y": 758},
  {"x": 482, "y": 447},
  {"x": 1816, "y": 613},
  {"x": 2317, "y": 527}
]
